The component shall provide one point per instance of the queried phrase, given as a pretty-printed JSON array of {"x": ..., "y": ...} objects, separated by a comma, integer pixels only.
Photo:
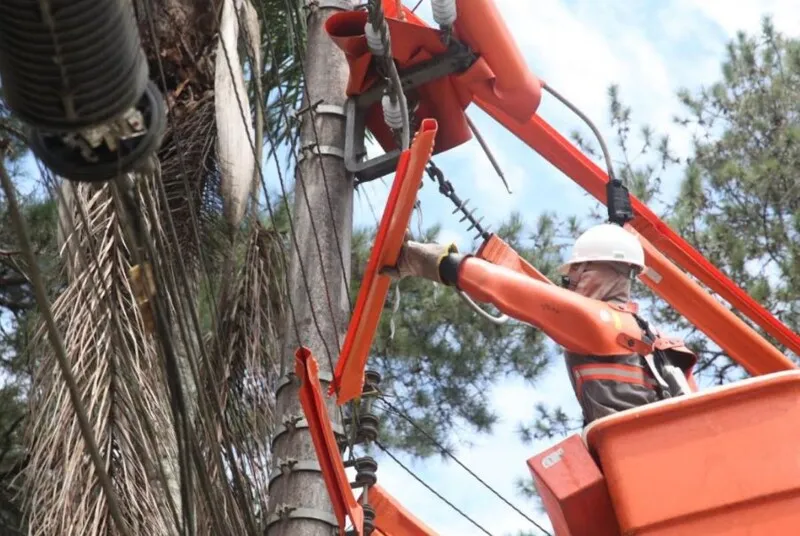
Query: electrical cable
[
  {"x": 429, "y": 488},
  {"x": 589, "y": 123},
  {"x": 618, "y": 199},
  {"x": 452, "y": 456}
]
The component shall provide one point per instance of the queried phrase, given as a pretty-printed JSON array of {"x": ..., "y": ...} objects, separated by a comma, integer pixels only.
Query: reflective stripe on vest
[{"x": 611, "y": 372}]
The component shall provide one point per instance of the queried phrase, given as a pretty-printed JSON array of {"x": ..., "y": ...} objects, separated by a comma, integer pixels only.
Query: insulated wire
[
  {"x": 429, "y": 488},
  {"x": 452, "y": 456},
  {"x": 589, "y": 123}
]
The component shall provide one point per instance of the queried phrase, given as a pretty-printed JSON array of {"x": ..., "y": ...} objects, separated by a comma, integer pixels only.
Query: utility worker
[{"x": 614, "y": 359}]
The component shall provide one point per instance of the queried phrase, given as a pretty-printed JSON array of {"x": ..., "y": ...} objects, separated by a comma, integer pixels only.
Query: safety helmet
[{"x": 606, "y": 242}]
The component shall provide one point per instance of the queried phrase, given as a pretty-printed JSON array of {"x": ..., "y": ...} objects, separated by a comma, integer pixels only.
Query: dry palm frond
[
  {"x": 235, "y": 136},
  {"x": 244, "y": 374},
  {"x": 121, "y": 380}
]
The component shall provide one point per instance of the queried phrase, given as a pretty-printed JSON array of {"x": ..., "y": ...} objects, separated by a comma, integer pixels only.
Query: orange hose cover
[
  {"x": 348, "y": 378},
  {"x": 392, "y": 519},
  {"x": 577, "y": 323}
]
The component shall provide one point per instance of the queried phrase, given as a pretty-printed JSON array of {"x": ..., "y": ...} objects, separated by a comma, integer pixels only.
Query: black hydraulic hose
[{"x": 75, "y": 72}]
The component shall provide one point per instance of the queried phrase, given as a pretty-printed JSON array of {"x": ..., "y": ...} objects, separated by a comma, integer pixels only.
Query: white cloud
[{"x": 745, "y": 15}]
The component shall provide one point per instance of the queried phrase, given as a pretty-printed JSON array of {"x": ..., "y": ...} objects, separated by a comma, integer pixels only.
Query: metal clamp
[
  {"x": 330, "y": 109},
  {"x": 285, "y": 512},
  {"x": 341, "y": 5},
  {"x": 290, "y": 378},
  {"x": 294, "y": 423},
  {"x": 289, "y": 466},
  {"x": 319, "y": 150},
  {"x": 457, "y": 58}
]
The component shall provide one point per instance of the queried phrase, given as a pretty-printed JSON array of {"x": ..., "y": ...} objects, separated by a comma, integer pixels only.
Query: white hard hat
[{"x": 606, "y": 242}]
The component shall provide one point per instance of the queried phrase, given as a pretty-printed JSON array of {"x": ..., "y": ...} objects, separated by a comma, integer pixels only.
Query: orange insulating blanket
[
  {"x": 497, "y": 76},
  {"x": 319, "y": 426},
  {"x": 348, "y": 378}
]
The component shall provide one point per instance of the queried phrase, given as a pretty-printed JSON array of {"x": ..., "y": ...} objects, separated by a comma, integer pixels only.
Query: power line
[
  {"x": 429, "y": 488},
  {"x": 433, "y": 440}
]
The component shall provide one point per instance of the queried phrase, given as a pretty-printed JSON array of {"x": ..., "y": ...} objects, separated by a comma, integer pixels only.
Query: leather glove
[{"x": 419, "y": 260}]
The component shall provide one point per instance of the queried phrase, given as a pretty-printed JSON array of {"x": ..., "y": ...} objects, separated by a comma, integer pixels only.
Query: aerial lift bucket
[{"x": 721, "y": 462}]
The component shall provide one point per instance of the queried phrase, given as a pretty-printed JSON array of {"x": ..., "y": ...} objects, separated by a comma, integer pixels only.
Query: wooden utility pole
[{"x": 299, "y": 504}]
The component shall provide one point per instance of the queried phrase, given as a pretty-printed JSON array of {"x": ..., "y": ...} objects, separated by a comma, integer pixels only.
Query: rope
[
  {"x": 429, "y": 488},
  {"x": 452, "y": 456}
]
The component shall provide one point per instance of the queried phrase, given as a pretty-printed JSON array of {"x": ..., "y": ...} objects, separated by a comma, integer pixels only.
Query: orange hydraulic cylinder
[
  {"x": 348, "y": 378},
  {"x": 700, "y": 308},
  {"x": 545, "y": 140}
]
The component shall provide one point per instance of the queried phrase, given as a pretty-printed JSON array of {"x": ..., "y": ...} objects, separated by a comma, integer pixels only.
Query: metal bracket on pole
[
  {"x": 293, "y": 423},
  {"x": 289, "y": 466},
  {"x": 341, "y": 5},
  {"x": 285, "y": 512},
  {"x": 291, "y": 378},
  {"x": 456, "y": 59},
  {"x": 319, "y": 150}
]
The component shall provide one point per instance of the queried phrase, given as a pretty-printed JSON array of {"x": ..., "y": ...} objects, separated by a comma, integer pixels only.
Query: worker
[{"x": 615, "y": 360}]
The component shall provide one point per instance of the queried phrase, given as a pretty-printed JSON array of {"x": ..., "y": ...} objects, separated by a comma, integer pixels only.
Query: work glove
[{"x": 419, "y": 260}]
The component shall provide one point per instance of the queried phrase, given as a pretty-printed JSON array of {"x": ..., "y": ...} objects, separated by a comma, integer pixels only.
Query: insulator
[
  {"x": 444, "y": 12},
  {"x": 372, "y": 378},
  {"x": 366, "y": 468},
  {"x": 375, "y": 40},
  {"x": 75, "y": 72},
  {"x": 368, "y": 424},
  {"x": 392, "y": 114},
  {"x": 369, "y": 519}
]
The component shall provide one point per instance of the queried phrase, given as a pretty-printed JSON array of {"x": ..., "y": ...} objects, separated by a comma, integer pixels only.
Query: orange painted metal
[
  {"x": 330, "y": 461},
  {"x": 392, "y": 519},
  {"x": 348, "y": 378},
  {"x": 722, "y": 462},
  {"x": 732, "y": 334},
  {"x": 498, "y": 76},
  {"x": 545, "y": 140},
  {"x": 573, "y": 490},
  {"x": 577, "y": 323}
]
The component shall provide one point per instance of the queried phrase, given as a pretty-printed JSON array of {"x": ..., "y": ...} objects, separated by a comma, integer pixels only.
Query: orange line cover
[
  {"x": 330, "y": 461},
  {"x": 348, "y": 378},
  {"x": 391, "y": 519}
]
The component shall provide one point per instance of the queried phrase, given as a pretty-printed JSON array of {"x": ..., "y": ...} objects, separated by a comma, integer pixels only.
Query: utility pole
[{"x": 299, "y": 504}]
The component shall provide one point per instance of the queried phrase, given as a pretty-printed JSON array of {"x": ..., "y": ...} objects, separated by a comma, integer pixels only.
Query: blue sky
[{"x": 580, "y": 47}]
